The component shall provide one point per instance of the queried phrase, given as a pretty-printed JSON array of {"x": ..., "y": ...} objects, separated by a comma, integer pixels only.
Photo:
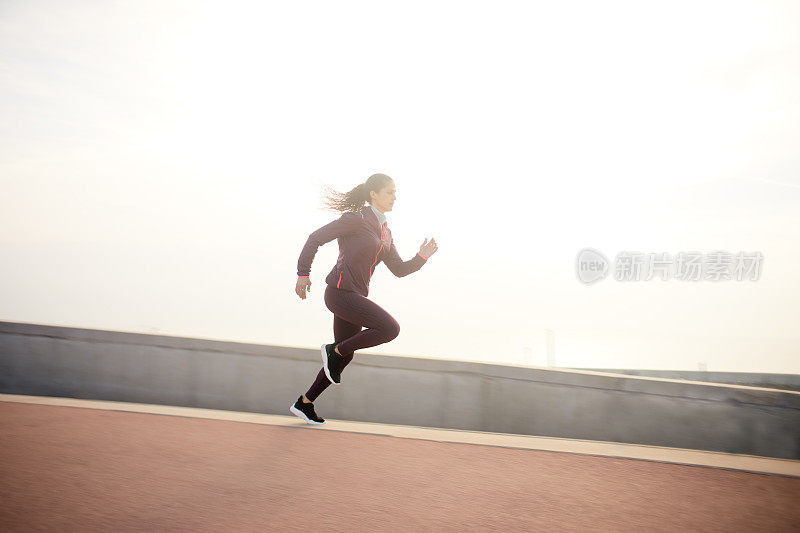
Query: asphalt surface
[{"x": 73, "y": 469}]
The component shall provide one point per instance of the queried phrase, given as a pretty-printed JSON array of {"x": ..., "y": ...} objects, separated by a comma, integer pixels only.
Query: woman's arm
[
  {"x": 344, "y": 225},
  {"x": 402, "y": 268}
]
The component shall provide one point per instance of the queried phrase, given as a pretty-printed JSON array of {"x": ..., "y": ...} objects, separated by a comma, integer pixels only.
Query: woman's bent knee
[{"x": 393, "y": 330}]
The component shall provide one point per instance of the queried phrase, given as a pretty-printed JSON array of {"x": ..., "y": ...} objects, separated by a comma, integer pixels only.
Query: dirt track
[{"x": 72, "y": 469}]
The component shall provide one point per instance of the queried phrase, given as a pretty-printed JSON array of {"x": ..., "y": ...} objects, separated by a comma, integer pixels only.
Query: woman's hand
[
  {"x": 302, "y": 285},
  {"x": 428, "y": 248}
]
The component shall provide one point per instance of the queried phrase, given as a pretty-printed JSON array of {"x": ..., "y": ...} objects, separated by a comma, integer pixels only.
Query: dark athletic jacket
[{"x": 363, "y": 243}]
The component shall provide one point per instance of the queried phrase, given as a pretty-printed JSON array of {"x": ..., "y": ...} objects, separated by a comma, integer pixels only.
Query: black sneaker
[
  {"x": 305, "y": 411},
  {"x": 332, "y": 363}
]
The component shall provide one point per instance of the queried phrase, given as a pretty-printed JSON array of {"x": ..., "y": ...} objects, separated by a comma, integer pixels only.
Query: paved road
[{"x": 72, "y": 469}]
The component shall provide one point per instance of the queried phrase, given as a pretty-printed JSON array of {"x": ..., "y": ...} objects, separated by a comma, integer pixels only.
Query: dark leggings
[{"x": 351, "y": 311}]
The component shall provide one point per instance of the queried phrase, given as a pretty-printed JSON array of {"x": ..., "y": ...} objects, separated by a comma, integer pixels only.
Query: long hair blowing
[{"x": 354, "y": 199}]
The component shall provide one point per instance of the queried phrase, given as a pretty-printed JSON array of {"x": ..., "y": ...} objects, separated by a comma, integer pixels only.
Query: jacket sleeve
[
  {"x": 402, "y": 268},
  {"x": 347, "y": 224}
]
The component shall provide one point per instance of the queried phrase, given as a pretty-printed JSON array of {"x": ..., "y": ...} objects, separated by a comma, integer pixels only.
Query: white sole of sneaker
[
  {"x": 325, "y": 364},
  {"x": 297, "y": 412}
]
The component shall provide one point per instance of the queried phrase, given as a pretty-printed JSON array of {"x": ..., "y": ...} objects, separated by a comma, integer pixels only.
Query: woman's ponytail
[{"x": 355, "y": 198}]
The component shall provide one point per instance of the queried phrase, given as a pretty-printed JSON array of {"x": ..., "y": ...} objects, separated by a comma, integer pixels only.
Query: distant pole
[{"x": 551, "y": 348}]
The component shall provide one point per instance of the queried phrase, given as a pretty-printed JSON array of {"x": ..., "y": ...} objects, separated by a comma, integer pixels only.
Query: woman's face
[{"x": 383, "y": 200}]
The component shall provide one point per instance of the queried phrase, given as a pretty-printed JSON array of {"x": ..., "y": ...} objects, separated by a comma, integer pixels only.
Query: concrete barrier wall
[
  {"x": 133, "y": 367},
  {"x": 749, "y": 379}
]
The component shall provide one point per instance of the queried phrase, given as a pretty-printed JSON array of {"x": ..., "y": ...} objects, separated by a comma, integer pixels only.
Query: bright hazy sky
[{"x": 162, "y": 164}]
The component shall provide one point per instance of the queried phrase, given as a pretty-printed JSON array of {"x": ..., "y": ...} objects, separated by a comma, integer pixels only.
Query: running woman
[{"x": 364, "y": 241}]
